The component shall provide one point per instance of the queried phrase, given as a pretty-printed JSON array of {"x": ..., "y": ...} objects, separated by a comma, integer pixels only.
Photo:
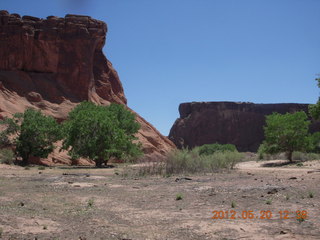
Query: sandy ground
[{"x": 85, "y": 203}]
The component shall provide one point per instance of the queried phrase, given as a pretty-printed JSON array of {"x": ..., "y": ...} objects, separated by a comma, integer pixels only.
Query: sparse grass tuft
[
  {"x": 179, "y": 196},
  {"x": 233, "y": 204},
  {"x": 90, "y": 203},
  {"x": 287, "y": 197},
  {"x": 152, "y": 168},
  {"x": 299, "y": 164},
  {"x": 145, "y": 168},
  {"x": 311, "y": 195},
  {"x": 26, "y": 168},
  {"x": 42, "y": 168},
  {"x": 269, "y": 201},
  {"x": 1, "y": 232}
]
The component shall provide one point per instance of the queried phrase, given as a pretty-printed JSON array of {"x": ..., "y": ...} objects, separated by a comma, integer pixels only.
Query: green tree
[
  {"x": 314, "y": 143},
  {"x": 101, "y": 132},
  {"x": 11, "y": 128},
  {"x": 34, "y": 134},
  {"x": 314, "y": 109},
  {"x": 286, "y": 133}
]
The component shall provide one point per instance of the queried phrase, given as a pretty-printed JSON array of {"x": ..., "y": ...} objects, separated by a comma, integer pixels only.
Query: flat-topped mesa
[
  {"x": 67, "y": 51},
  {"x": 238, "y": 123}
]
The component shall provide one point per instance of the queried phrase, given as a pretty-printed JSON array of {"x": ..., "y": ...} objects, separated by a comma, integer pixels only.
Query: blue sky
[{"x": 172, "y": 51}]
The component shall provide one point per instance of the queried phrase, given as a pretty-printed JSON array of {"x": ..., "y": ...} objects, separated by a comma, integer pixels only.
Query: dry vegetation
[{"x": 88, "y": 203}]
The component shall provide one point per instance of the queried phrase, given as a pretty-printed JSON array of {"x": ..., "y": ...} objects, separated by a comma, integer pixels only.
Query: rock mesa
[
  {"x": 53, "y": 64},
  {"x": 238, "y": 123}
]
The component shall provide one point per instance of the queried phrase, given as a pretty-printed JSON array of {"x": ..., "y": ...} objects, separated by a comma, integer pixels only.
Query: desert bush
[
  {"x": 221, "y": 160},
  {"x": 302, "y": 156},
  {"x": 7, "y": 156},
  {"x": 313, "y": 156},
  {"x": 208, "y": 149},
  {"x": 184, "y": 162},
  {"x": 190, "y": 161},
  {"x": 143, "y": 167},
  {"x": 152, "y": 168},
  {"x": 296, "y": 156}
]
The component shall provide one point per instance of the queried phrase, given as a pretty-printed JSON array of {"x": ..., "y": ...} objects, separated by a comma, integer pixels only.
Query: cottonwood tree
[
  {"x": 314, "y": 109},
  {"x": 286, "y": 133},
  {"x": 32, "y": 132},
  {"x": 101, "y": 132}
]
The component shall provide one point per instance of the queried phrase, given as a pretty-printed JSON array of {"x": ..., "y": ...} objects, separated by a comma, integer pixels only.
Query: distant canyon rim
[{"x": 238, "y": 123}]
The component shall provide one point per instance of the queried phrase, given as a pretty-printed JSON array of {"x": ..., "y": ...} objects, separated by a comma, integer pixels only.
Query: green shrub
[
  {"x": 179, "y": 196},
  {"x": 220, "y": 160},
  {"x": 305, "y": 156},
  {"x": 314, "y": 142},
  {"x": 313, "y": 156},
  {"x": 186, "y": 161},
  {"x": 299, "y": 156},
  {"x": 262, "y": 151},
  {"x": 183, "y": 161},
  {"x": 208, "y": 149},
  {"x": 190, "y": 161},
  {"x": 7, "y": 156}
]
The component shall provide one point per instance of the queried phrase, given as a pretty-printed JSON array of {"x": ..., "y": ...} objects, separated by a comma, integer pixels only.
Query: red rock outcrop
[
  {"x": 237, "y": 123},
  {"x": 53, "y": 64}
]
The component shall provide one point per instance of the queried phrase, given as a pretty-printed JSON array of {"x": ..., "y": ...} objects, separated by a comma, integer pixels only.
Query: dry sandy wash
[{"x": 87, "y": 203}]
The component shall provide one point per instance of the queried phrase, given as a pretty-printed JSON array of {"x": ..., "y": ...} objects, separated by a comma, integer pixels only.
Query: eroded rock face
[
  {"x": 59, "y": 58},
  {"x": 240, "y": 124},
  {"x": 53, "y": 64}
]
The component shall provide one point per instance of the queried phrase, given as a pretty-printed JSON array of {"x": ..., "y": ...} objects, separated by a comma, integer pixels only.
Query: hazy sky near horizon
[{"x": 172, "y": 51}]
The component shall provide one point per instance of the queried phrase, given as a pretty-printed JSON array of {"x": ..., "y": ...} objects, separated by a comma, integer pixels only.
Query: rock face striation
[
  {"x": 53, "y": 64},
  {"x": 238, "y": 123}
]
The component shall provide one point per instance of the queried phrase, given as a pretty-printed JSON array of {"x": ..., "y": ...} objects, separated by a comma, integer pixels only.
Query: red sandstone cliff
[
  {"x": 240, "y": 123},
  {"x": 53, "y": 64}
]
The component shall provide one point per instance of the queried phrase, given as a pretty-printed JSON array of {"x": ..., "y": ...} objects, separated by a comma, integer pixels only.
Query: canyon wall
[
  {"x": 55, "y": 63},
  {"x": 238, "y": 123}
]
